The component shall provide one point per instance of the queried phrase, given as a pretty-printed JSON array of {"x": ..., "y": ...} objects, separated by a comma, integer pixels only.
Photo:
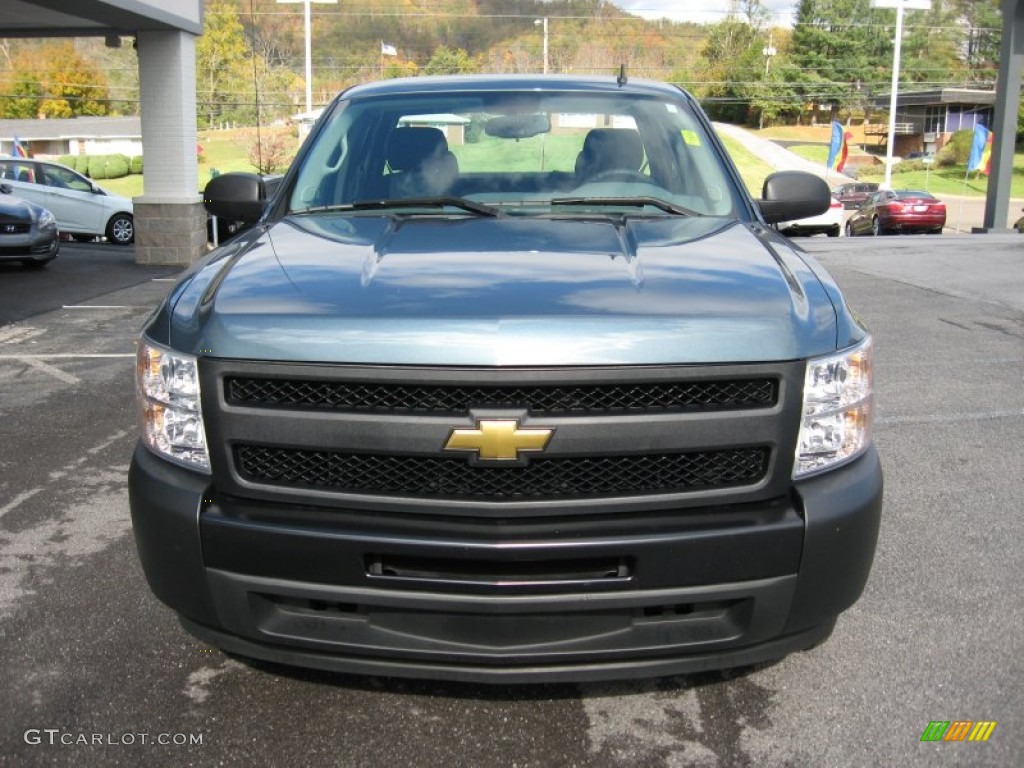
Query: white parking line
[
  {"x": 18, "y": 500},
  {"x": 109, "y": 441},
  {"x": 57, "y": 373},
  {"x": 948, "y": 418},
  {"x": 68, "y": 356},
  {"x": 101, "y": 306}
]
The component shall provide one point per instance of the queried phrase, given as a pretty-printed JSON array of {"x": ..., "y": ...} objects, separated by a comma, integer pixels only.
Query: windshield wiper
[
  {"x": 410, "y": 202},
  {"x": 638, "y": 202}
]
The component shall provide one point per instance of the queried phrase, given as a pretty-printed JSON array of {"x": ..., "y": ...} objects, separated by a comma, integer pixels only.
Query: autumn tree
[
  {"x": 73, "y": 85},
  {"x": 26, "y": 93},
  {"x": 52, "y": 80}
]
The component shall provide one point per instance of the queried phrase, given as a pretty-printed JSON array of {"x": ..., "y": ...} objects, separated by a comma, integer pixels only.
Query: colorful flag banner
[
  {"x": 986, "y": 155},
  {"x": 18, "y": 150},
  {"x": 838, "y": 149},
  {"x": 388, "y": 50},
  {"x": 981, "y": 148}
]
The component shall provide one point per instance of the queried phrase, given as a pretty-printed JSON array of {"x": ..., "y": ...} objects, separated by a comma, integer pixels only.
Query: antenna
[{"x": 621, "y": 79}]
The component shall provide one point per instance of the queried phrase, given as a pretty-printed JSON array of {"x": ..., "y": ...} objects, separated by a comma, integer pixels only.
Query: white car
[
  {"x": 82, "y": 208},
  {"x": 830, "y": 223}
]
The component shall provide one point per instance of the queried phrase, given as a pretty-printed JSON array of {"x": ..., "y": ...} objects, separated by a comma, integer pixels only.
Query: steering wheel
[{"x": 619, "y": 174}]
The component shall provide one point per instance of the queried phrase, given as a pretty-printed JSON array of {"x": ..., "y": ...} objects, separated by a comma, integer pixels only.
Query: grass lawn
[
  {"x": 939, "y": 181},
  {"x": 810, "y": 133},
  {"x": 948, "y": 181},
  {"x": 816, "y": 153},
  {"x": 126, "y": 186},
  {"x": 752, "y": 168}
]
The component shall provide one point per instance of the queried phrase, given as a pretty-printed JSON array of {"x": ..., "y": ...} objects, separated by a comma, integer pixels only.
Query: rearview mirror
[
  {"x": 788, "y": 195},
  {"x": 517, "y": 126}
]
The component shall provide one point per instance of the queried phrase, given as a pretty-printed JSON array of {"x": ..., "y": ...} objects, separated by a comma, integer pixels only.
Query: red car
[{"x": 898, "y": 210}]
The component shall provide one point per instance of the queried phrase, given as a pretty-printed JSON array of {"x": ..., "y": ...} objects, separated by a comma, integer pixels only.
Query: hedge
[
  {"x": 108, "y": 166},
  {"x": 103, "y": 166}
]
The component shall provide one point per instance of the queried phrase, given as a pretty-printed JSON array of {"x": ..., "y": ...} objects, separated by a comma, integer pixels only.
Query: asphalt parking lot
[{"x": 98, "y": 671}]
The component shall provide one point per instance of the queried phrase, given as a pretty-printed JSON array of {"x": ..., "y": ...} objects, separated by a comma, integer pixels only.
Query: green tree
[
  {"x": 222, "y": 63},
  {"x": 449, "y": 61},
  {"x": 838, "y": 44},
  {"x": 983, "y": 23},
  {"x": 777, "y": 96},
  {"x": 933, "y": 47},
  {"x": 733, "y": 52}
]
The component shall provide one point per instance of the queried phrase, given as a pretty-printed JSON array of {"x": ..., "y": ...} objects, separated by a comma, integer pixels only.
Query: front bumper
[
  {"x": 30, "y": 246},
  {"x": 584, "y": 597}
]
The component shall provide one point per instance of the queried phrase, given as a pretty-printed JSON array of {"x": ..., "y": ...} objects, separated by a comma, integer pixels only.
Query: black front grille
[
  {"x": 541, "y": 478},
  {"x": 538, "y": 399},
  {"x": 15, "y": 228}
]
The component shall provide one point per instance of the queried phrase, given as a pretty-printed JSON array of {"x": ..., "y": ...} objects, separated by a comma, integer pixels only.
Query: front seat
[
  {"x": 609, "y": 149},
  {"x": 420, "y": 162}
]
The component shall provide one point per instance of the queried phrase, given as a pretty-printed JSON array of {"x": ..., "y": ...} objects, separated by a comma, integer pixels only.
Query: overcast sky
[{"x": 701, "y": 11}]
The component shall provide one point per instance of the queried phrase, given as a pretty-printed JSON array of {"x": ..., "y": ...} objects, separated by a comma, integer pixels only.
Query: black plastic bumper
[{"x": 567, "y": 599}]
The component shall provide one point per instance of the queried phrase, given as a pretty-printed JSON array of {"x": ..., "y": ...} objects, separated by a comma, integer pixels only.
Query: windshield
[{"x": 515, "y": 153}]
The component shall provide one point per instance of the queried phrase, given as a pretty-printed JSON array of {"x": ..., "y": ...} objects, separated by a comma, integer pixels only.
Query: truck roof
[{"x": 511, "y": 83}]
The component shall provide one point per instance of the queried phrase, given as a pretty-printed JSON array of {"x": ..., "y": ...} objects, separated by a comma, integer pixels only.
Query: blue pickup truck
[{"x": 510, "y": 380}]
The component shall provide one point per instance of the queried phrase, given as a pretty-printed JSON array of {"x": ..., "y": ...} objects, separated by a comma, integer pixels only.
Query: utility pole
[
  {"x": 900, "y": 6},
  {"x": 544, "y": 22},
  {"x": 309, "y": 47},
  {"x": 768, "y": 51}
]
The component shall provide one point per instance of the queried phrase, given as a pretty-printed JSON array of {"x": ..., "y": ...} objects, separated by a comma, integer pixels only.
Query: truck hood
[{"x": 509, "y": 291}]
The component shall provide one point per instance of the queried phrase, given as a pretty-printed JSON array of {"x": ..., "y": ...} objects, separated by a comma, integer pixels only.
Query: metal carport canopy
[{"x": 88, "y": 18}]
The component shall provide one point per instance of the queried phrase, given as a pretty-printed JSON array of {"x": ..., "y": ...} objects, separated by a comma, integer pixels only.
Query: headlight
[
  {"x": 836, "y": 424},
  {"x": 46, "y": 220},
  {"x": 171, "y": 413}
]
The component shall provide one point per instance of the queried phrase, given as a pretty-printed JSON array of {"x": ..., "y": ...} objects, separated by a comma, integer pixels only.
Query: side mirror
[
  {"x": 236, "y": 197},
  {"x": 6, "y": 189},
  {"x": 788, "y": 195}
]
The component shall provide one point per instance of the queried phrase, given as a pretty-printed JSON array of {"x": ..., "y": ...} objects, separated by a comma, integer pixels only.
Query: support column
[
  {"x": 1011, "y": 60},
  {"x": 170, "y": 222}
]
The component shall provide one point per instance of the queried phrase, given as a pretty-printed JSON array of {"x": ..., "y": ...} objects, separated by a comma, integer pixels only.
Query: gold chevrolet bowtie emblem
[{"x": 500, "y": 439}]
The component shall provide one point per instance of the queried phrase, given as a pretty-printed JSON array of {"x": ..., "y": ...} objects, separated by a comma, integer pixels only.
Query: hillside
[{"x": 585, "y": 36}]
